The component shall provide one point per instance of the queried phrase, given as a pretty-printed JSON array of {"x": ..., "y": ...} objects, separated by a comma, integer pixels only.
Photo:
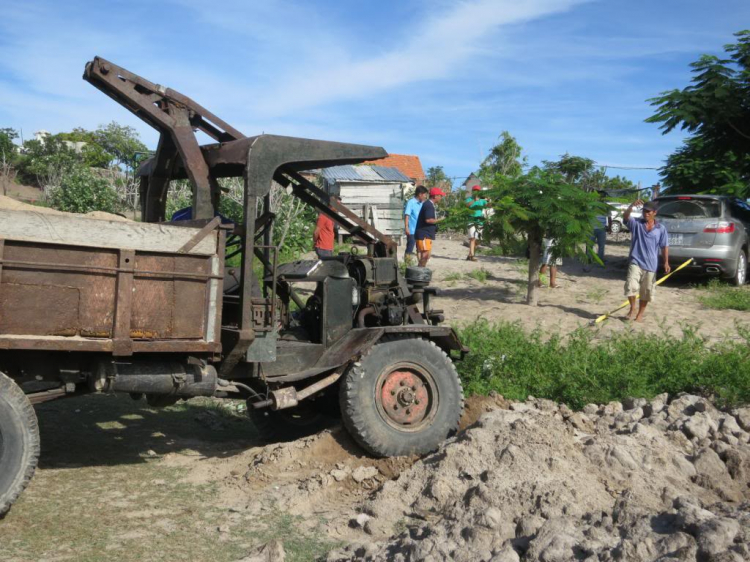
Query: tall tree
[
  {"x": 505, "y": 158},
  {"x": 436, "y": 177},
  {"x": 715, "y": 110}
]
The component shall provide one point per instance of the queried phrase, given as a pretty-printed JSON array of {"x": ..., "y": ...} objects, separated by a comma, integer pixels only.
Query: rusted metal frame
[
  {"x": 173, "y": 114},
  {"x": 122, "y": 345},
  {"x": 267, "y": 239},
  {"x": 105, "y": 345},
  {"x": 271, "y": 267},
  {"x": 246, "y": 328},
  {"x": 217, "y": 268},
  {"x": 285, "y": 285},
  {"x": 200, "y": 235},
  {"x": 154, "y": 203},
  {"x": 46, "y": 396},
  {"x": 106, "y": 269},
  {"x": 195, "y": 165},
  {"x": 145, "y": 94}
]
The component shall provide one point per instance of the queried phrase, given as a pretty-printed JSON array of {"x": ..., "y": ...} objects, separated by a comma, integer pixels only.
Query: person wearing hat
[
  {"x": 648, "y": 237},
  {"x": 477, "y": 204},
  {"x": 427, "y": 225},
  {"x": 411, "y": 214}
]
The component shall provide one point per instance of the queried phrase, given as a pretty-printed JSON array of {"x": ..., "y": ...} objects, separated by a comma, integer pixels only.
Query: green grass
[
  {"x": 453, "y": 277},
  {"x": 580, "y": 370},
  {"x": 595, "y": 295},
  {"x": 478, "y": 275},
  {"x": 720, "y": 296}
]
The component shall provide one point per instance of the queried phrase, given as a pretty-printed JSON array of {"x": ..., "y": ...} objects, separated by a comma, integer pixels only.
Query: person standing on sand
[
  {"x": 647, "y": 238},
  {"x": 411, "y": 214},
  {"x": 427, "y": 225},
  {"x": 477, "y": 204}
]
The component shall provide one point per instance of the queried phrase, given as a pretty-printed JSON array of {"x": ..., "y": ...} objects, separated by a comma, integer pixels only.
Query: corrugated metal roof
[
  {"x": 392, "y": 174},
  {"x": 362, "y": 173}
]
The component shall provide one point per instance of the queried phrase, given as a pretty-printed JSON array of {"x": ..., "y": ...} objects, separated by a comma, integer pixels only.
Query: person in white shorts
[
  {"x": 648, "y": 237},
  {"x": 549, "y": 263}
]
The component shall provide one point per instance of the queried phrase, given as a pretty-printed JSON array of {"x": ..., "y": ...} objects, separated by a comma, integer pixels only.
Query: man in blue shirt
[
  {"x": 411, "y": 213},
  {"x": 647, "y": 238}
]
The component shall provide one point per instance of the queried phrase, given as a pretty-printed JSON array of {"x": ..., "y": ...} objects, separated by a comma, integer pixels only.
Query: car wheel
[
  {"x": 740, "y": 277},
  {"x": 403, "y": 397},
  {"x": 19, "y": 442},
  {"x": 615, "y": 227}
]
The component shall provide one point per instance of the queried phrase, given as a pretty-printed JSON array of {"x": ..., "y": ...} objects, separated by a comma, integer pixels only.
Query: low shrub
[
  {"x": 718, "y": 295},
  {"x": 580, "y": 370}
]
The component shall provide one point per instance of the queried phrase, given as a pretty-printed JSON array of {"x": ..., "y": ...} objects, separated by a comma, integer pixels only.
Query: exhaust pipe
[
  {"x": 713, "y": 270},
  {"x": 168, "y": 379}
]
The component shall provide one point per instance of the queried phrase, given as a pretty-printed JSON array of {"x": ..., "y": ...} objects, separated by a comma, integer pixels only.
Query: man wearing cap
[
  {"x": 411, "y": 214},
  {"x": 647, "y": 238},
  {"x": 477, "y": 204},
  {"x": 427, "y": 225}
]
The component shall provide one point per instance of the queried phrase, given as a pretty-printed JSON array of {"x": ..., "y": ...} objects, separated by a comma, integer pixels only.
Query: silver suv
[{"x": 712, "y": 229}]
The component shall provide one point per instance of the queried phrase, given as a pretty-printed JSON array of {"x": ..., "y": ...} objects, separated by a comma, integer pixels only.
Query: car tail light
[
  {"x": 720, "y": 227},
  {"x": 685, "y": 198}
]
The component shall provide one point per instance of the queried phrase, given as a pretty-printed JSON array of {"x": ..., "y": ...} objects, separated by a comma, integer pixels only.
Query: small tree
[
  {"x": 82, "y": 191},
  {"x": 7, "y": 157},
  {"x": 542, "y": 204}
]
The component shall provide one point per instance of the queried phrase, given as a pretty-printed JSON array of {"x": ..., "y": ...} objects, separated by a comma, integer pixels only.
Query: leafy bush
[
  {"x": 722, "y": 297},
  {"x": 508, "y": 360},
  {"x": 82, "y": 191}
]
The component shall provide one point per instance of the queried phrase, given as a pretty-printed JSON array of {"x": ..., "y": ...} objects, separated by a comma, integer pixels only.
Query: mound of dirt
[
  {"x": 14, "y": 205},
  {"x": 659, "y": 480}
]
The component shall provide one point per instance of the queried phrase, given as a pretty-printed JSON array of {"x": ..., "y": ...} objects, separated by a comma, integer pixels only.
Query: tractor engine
[{"x": 382, "y": 293}]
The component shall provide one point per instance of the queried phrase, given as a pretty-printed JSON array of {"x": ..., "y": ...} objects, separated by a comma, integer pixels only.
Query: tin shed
[{"x": 375, "y": 193}]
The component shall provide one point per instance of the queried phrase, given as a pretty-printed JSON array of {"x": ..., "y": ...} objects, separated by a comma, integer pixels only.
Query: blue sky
[{"x": 440, "y": 79}]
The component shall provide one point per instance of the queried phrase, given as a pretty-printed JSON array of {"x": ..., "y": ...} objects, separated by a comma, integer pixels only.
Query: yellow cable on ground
[{"x": 603, "y": 317}]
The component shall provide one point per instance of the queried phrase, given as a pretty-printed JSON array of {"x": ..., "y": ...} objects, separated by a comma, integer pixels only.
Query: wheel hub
[{"x": 405, "y": 397}]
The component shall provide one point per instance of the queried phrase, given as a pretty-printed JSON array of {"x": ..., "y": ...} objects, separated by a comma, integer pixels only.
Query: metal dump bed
[{"x": 73, "y": 283}]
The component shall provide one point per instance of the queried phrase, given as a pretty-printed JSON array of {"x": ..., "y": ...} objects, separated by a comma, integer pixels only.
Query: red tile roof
[{"x": 407, "y": 164}]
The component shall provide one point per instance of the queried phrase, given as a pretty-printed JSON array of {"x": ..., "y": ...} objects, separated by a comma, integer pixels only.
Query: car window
[{"x": 690, "y": 209}]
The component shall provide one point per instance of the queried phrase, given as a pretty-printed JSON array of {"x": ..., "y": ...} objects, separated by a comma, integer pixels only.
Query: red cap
[
  {"x": 476, "y": 188},
  {"x": 436, "y": 191}
]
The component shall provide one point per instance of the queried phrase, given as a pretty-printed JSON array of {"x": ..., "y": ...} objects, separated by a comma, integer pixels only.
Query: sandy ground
[{"x": 582, "y": 297}]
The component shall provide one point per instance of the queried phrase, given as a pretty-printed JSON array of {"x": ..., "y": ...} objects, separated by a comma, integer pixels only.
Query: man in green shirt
[{"x": 477, "y": 204}]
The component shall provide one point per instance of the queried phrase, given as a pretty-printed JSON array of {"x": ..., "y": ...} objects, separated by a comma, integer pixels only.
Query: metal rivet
[{"x": 408, "y": 412}]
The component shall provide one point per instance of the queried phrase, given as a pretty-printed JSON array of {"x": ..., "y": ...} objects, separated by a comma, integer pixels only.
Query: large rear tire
[
  {"x": 19, "y": 442},
  {"x": 403, "y": 397}
]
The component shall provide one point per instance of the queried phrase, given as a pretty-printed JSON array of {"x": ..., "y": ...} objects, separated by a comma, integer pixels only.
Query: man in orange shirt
[{"x": 323, "y": 235}]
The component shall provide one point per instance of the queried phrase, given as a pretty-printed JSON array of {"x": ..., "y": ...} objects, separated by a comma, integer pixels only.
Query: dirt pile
[{"x": 659, "y": 480}]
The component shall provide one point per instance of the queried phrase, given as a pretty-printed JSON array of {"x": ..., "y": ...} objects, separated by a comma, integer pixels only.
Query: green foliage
[
  {"x": 582, "y": 369},
  {"x": 7, "y": 146},
  {"x": 82, "y": 191},
  {"x": 583, "y": 173},
  {"x": 436, "y": 177},
  {"x": 721, "y": 296},
  {"x": 122, "y": 144},
  {"x": 44, "y": 163},
  {"x": 505, "y": 159},
  {"x": 478, "y": 275},
  {"x": 714, "y": 109}
]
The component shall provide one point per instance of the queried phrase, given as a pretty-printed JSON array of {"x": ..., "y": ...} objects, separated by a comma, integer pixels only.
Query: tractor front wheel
[{"x": 402, "y": 397}]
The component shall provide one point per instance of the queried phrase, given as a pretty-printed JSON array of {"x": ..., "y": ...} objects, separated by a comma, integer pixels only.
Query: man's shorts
[
  {"x": 475, "y": 231},
  {"x": 424, "y": 245},
  {"x": 547, "y": 254},
  {"x": 640, "y": 281}
]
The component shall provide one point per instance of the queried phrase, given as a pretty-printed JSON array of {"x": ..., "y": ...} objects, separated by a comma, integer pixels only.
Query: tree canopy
[
  {"x": 505, "y": 158},
  {"x": 715, "y": 110}
]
